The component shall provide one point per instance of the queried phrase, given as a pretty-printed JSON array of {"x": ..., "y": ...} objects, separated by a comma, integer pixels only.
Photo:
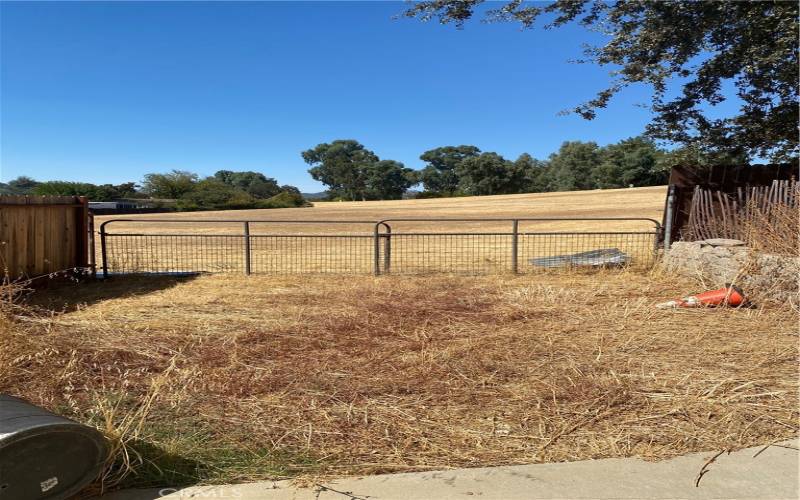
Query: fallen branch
[{"x": 704, "y": 468}]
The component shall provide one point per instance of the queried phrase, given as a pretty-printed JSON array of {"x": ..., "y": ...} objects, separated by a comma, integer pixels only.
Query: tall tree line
[
  {"x": 225, "y": 190},
  {"x": 353, "y": 172}
]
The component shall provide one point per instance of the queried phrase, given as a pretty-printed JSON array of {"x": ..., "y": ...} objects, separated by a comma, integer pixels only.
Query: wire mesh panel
[
  {"x": 479, "y": 253},
  {"x": 161, "y": 253},
  {"x": 476, "y": 251},
  {"x": 539, "y": 251},
  {"x": 267, "y": 246},
  {"x": 289, "y": 254},
  {"x": 464, "y": 246}
]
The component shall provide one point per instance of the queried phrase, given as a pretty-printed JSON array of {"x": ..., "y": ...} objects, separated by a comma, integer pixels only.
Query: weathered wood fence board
[
  {"x": 735, "y": 181},
  {"x": 43, "y": 234},
  {"x": 714, "y": 214}
]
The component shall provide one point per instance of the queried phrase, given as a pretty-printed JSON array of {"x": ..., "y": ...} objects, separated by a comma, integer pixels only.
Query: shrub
[
  {"x": 428, "y": 194},
  {"x": 211, "y": 194},
  {"x": 284, "y": 199}
]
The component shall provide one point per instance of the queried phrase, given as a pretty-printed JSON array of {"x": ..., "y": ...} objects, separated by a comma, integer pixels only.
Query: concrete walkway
[{"x": 772, "y": 474}]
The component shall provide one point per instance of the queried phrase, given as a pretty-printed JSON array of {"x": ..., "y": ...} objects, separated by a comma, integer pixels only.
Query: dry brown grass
[
  {"x": 273, "y": 376},
  {"x": 775, "y": 231}
]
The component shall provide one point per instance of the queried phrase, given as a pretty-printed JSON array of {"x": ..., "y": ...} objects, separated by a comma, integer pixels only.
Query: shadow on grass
[
  {"x": 193, "y": 463},
  {"x": 60, "y": 296},
  {"x": 162, "y": 468}
]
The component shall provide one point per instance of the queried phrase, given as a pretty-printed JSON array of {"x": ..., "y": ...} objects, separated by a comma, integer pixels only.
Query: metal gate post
[
  {"x": 376, "y": 264},
  {"x": 514, "y": 245},
  {"x": 668, "y": 219},
  {"x": 387, "y": 249},
  {"x": 103, "y": 249},
  {"x": 247, "y": 248}
]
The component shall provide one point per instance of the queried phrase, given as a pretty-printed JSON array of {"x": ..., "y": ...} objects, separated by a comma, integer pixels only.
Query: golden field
[
  {"x": 209, "y": 244},
  {"x": 636, "y": 202}
]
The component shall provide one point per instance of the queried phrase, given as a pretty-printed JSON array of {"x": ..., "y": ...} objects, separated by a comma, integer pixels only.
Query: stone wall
[{"x": 718, "y": 261}]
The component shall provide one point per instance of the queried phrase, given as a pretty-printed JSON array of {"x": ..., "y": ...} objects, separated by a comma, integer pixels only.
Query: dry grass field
[
  {"x": 314, "y": 246},
  {"x": 226, "y": 378},
  {"x": 636, "y": 202}
]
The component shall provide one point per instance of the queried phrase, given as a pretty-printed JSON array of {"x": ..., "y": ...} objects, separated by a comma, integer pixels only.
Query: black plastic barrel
[{"x": 43, "y": 455}]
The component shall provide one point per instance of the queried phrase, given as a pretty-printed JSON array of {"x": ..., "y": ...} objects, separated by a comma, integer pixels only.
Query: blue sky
[{"x": 106, "y": 92}]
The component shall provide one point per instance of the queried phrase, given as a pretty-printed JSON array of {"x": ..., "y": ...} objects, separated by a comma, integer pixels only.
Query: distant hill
[
  {"x": 315, "y": 196},
  {"x": 323, "y": 195}
]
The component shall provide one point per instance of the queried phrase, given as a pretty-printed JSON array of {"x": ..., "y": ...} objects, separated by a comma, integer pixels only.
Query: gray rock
[
  {"x": 722, "y": 251},
  {"x": 770, "y": 276},
  {"x": 723, "y": 242}
]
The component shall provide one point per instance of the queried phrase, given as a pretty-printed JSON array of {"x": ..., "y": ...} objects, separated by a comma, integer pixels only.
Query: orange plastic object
[{"x": 728, "y": 295}]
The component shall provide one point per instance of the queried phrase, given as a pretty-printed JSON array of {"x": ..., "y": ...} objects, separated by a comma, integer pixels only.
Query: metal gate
[{"x": 400, "y": 245}]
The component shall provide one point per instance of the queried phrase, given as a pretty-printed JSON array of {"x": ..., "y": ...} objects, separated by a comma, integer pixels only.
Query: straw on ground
[{"x": 279, "y": 376}]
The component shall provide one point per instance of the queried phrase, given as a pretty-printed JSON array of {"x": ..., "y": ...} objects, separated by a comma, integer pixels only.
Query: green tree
[
  {"x": 20, "y": 186},
  {"x": 284, "y": 199},
  {"x": 486, "y": 174},
  {"x": 172, "y": 185},
  {"x": 291, "y": 189},
  {"x": 439, "y": 176},
  {"x": 533, "y": 174},
  {"x": 353, "y": 172},
  {"x": 690, "y": 155},
  {"x": 213, "y": 194},
  {"x": 255, "y": 184},
  {"x": 104, "y": 192},
  {"x": 631, "y": 162},
  {"x": 124, "y": 190},
  {"x": 341, "y": 165},
  {"x": 571, "y": 168},
  {"x": 388, "y": 180},
  {"x": 66, "y": 188},
  {"x": 699, "y": 46}
]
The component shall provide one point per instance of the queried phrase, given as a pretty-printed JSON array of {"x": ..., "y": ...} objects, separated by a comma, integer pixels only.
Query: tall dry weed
[
  {"x": 774, "y": 230},
  {"x": 123, "y": 426},
  {"x": 23, "y": 339}
]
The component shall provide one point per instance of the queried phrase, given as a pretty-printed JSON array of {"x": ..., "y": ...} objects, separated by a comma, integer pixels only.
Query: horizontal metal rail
[
  {"x": 258, "y": 235},
  {"x": 237, "y": 221},
  {"x": 368, "y": 235},
  {"x": 509, "y": 233},
  {"x": 656, "y": 224}
]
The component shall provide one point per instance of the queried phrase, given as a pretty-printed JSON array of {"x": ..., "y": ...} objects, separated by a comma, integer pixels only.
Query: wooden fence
[
  {"x": 42, "y": 235},
  {"x": 714, "y": 214},
  {"x": 718, "y": 184}
]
